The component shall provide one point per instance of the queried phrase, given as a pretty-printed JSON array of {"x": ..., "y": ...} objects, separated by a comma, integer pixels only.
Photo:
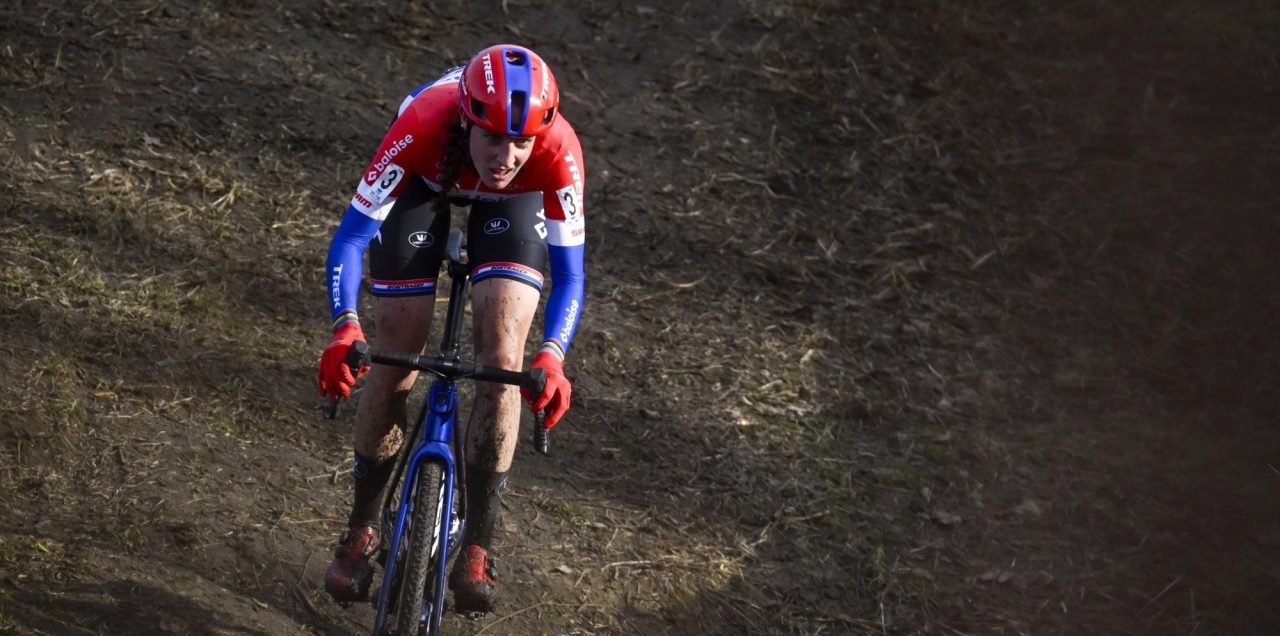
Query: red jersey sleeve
[
  {"x": 401, "y": 152},
  {"x": 563, "y": 189}
]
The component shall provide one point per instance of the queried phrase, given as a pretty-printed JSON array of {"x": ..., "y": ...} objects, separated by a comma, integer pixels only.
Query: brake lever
[{"x": 541, "y": 434}]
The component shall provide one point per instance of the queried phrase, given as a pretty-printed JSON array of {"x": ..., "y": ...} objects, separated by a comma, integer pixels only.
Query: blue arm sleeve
[
  {"x": 345, "y": 264},
  {"x": 564, "y": 305}
]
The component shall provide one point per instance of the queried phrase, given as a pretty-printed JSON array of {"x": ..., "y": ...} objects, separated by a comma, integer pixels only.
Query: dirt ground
[{"x": 902, "y": 317}]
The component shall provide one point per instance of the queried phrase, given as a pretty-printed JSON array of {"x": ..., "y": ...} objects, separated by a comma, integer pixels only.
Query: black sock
[
  {"x": 370, "y": 477},
  {"x": 484, "y": 501}
]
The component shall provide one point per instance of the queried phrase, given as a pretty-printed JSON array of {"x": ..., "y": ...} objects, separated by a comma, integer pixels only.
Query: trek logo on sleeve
[
  {"x": 335, "y": 287},
  {"x": 573, "y": 171}
]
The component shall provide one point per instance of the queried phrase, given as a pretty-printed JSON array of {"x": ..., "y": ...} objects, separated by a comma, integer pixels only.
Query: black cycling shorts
[{"x": 506, "y": 238}]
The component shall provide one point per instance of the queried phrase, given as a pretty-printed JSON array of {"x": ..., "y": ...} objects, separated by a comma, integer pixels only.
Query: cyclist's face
[{"x": 497, "y": 158}]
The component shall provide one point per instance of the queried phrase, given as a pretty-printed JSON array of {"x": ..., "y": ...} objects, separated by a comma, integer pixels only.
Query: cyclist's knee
[
  {"x": 388, "y": 380},
  {"x": 507, "y": 355},
  {"x": 504, "y": 311}
]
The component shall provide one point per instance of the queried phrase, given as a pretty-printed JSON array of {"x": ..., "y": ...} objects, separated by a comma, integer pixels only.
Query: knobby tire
[{"x": 420, "y": 559}]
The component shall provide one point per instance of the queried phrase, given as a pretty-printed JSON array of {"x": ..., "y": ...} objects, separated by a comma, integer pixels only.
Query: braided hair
[{"x": 456, "y": 150}]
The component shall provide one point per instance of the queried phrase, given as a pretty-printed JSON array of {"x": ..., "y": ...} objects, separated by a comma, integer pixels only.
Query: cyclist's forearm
[
  {"x": 344, "y": 265},
  {"x": 564, "y": 305}
]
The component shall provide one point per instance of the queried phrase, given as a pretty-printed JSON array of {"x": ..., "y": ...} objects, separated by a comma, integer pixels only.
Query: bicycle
[{"x": 413, "y": 581}]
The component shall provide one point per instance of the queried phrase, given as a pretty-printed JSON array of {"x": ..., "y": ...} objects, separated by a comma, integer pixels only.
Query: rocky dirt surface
[{"x": 902, "y": 317}]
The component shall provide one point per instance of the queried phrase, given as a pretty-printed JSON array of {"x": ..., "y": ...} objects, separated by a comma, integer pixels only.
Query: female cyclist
[{"x": 488, "y": 135}]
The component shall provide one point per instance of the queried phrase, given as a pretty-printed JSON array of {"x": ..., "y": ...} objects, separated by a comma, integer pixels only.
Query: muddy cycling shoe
[
  {"x": 348, "y": 577},
  {"x": 474, "y": 589}
]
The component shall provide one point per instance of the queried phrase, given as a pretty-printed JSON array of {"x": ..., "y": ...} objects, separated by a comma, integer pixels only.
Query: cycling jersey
[{"x": 414, "y": 148}]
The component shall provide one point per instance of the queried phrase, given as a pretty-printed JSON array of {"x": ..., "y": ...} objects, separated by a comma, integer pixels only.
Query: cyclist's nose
[{"x": 507, "y": 154}]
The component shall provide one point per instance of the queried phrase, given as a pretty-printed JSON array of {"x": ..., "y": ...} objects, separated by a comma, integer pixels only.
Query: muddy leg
[
  {"x": 402, "y": 325},
  {"x": 503, "y": 311}
]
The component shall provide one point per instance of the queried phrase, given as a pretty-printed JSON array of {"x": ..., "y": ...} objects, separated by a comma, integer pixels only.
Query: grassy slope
[{"x": 808, "y": 397}]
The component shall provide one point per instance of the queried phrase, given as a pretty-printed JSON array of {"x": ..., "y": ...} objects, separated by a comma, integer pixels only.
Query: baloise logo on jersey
[
  {"x": 390, "y": 153},
  {"x": 570, "y": 319}
]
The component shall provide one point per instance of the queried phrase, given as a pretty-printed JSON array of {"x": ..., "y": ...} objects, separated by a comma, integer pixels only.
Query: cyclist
[{"x": 488, "y": 135}]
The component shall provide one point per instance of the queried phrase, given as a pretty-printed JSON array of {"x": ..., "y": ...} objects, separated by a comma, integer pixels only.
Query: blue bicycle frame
[{"x": 434, "y": 445}]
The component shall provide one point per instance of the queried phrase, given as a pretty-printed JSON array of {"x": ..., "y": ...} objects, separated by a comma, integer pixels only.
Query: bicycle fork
[{"x": 435, "y": 445}]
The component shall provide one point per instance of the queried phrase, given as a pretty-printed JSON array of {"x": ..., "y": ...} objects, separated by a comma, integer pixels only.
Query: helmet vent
[
  {"x": 518, "y": 111},
  {"x": 548, "y": 116},
  {"x": 477, "y": 107},
  {"x": 516, "y": 58}
]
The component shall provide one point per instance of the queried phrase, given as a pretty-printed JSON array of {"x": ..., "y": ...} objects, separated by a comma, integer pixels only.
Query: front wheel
[{"x": 418, "y": 582}]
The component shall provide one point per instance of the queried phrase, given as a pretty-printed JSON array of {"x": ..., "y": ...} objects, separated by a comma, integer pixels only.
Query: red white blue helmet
[{"x": 507, "y": 89}]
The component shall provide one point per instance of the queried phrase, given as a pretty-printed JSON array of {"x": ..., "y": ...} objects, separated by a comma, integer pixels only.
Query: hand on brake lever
[
  {"x": 556, "y": 394},
  {"x": 335, "y": 378}
]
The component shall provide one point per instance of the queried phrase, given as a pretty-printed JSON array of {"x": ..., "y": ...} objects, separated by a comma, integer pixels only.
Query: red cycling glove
[
  {"x": 335, "y": 377},
  {"x": 555, "y": 395}
]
